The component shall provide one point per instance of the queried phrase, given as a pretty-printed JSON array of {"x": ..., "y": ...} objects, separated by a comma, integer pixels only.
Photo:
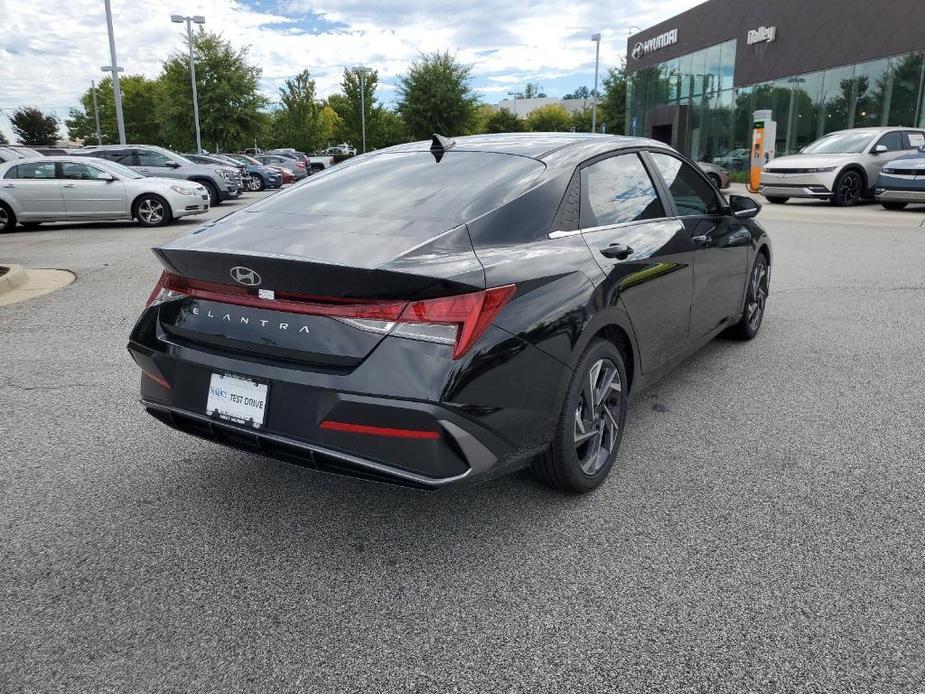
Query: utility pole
[
  {"x": 597, "y": 56},
  {"x": 361, "y": 71},
  {"x": 114, "y": 66},
  {"x": 198, "y": 19},
  {"x": 96, "y": 114}
]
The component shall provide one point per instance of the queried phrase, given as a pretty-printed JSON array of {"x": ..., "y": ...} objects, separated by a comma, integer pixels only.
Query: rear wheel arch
[{"x": 614, "y": 326}]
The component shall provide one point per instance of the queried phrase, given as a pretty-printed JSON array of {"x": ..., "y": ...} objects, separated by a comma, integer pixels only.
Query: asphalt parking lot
[{"x": 762, "y": 530}]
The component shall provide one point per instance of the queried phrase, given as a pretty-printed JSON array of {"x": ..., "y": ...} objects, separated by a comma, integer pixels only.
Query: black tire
[
  {"x": 213, "y": 193},
  {"x": 849, "y": 189},
  {"x": 586, "y": 442},
  {"x": 894, "y": 205},
  {"x": 152, "y": 210},
  {"x": 257, "y": 183},
  {"x": 7, "y": 218},
  {"x": 776, "y": 199},
  {"x": 756, "y": 296}
]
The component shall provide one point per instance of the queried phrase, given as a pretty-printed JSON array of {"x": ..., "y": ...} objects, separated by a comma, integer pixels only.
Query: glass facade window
[{"x": 716, "y": 120}]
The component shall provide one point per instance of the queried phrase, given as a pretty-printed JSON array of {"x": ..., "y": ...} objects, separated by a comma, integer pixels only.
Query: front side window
[
  {"x": 892, "y": 141},
  {"x": 41, "y": 170},
  {"x": 147, "y": 157},
  {"x": 616, "y": 191},
  {"x": 79, "y": 172},
  {"x": 691, "y": 192}
]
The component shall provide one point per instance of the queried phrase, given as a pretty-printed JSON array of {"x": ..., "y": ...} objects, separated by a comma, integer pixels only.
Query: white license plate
[{"x": 237, "y": 399}]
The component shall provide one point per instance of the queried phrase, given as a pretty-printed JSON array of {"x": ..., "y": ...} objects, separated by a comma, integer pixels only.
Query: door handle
[
  {"x": 68, "y": 185},
  {"x": 9, "y": 185},
  {"x": 702, "y": 241},
  {"x": 617, "y": 251}
]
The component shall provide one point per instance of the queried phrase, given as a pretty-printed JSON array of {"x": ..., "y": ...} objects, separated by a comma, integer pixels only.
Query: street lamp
[
  {"x": 116, "y": 89},
  {"x": 198, "y": 19},
  {"x": 361, "y": 71},
  {"x": 597, "y": 56}
]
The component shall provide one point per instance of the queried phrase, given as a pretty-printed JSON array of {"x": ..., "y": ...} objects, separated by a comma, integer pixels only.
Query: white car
[
  {"x": 841, "y": 167},
  {"x": 65, "y": 188}
]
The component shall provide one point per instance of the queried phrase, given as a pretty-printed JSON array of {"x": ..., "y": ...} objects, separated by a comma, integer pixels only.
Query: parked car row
[
  {"x": 848, "y": 166},
  {"x": 150, "y": 184}
]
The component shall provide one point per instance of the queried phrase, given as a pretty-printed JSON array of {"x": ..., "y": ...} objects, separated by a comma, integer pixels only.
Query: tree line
[{"x": 435, "y": 95}]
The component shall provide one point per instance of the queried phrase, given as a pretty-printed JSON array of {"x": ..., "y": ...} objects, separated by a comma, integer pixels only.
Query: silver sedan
[{"x": 54, "y": 189}]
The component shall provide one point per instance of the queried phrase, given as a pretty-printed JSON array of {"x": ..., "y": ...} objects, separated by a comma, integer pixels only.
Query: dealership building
[{"x": 694, "y": 81}]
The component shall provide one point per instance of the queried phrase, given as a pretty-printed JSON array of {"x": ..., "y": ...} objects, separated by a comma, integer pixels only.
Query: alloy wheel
[
  {"x": 4, "y": 219},
  {"x": 597, "y": 416},
  {"x": 151, "y": 211},
  {"x": 849, "y": 188},
  {"x": 758, "y": 295},
  {"x": 253, "y": 182}
]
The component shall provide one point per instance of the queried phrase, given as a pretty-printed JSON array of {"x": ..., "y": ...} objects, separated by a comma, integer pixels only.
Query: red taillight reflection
[
  {"x": 379, "y": 431},
  {"x": 472, "y": 313}
]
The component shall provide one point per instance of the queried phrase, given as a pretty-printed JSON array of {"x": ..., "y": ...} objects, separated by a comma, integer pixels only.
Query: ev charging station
[{"x": 764, "y": 135}]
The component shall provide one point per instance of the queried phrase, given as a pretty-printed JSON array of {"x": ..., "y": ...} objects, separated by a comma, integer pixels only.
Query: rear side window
[
  {"x": 413, "y": 186},
  {"x": 691, "y": 192},
  {"x": 916, "y": 139},
  {"x": 616, "y": 191},
  {"x": 41, "y": 170}
]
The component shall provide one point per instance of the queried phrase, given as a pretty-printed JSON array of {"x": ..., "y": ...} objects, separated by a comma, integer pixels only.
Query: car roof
[
  {"x": 63, "y": 158},
  {"x": 546, "y": 147}
]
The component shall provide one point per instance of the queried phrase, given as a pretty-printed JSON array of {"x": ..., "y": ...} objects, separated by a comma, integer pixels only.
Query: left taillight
[{"x": 161, "y": 292}]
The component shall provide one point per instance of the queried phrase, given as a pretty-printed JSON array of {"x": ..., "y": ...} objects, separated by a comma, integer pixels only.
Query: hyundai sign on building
[{"x": 695, "y": 81}]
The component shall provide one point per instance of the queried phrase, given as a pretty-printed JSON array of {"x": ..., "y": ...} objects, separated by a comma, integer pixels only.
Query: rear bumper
[{"x": 476, "y": 427}]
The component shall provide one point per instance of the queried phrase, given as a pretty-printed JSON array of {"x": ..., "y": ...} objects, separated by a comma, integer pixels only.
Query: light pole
[
  {"x": 96, "y": 113},
  {"x": 597, "y": 56},
  {"x": 114, "y": 67},
  {"x": 198, "y": 19},
  {"x": 361, "y": 72}
]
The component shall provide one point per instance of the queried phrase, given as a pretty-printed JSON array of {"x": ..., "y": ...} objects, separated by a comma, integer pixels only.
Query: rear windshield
[{"x": 411, "y": 185}]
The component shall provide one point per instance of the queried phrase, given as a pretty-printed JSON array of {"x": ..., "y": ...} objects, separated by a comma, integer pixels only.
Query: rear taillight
[{"x": 453, "y": 320}]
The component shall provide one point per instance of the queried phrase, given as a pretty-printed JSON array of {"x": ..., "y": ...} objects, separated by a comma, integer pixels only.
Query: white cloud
[{"x": 49, "y": 53}]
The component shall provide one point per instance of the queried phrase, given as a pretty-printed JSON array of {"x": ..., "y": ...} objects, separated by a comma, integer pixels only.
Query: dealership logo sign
[
  {"x": 656, "y": 43},
  {"x": 762, "y": 35}
]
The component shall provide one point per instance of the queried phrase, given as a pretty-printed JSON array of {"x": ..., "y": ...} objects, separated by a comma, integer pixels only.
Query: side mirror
[
  {"x": 173, "y": 165},
  {"x": 743, "y": 207},
  {"x": 880, "y": 149},
  {"x": 103, "y": 176}
]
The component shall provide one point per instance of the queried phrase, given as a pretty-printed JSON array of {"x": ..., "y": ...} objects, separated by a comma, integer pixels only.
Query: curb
[{"x": 15, "y": 277}]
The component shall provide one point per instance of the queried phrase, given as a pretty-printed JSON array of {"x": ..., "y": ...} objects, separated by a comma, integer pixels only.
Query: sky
[{"x": 49, "y": 52}]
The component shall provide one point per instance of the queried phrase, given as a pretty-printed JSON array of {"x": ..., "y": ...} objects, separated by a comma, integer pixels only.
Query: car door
[
  {"x": 36, "y": 189},
  {"x": 645, "y": 256},
  {"x": 154, "y": 163},
  {"x": 87, "y": 195},
  {"x": 896, "y": 145},
  {"x": 721, "y": 242}
]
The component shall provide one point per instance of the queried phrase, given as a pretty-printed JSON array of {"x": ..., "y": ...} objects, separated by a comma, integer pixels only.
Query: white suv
[{"x": 841, "y": 167}]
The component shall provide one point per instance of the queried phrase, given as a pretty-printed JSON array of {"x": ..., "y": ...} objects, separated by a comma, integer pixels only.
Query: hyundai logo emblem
[
  {"x": 244, "y": 275},
  {"x": 638, "y": 51}
]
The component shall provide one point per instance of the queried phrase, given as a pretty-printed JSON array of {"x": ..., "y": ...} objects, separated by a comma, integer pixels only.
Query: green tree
[
  {"x": 391, "y": 129},
  {"x": 138, "y": 95},
  {"x": 298, "y": 121},
  {"x": 533, "y": 90},
  {"x": 33, "y": 127},
  {"x": 579, "y": 93},
  {"x": 3, "y": 140},
  {"x": 550, "y": 118},
  {"x": 351, "y": 124},
  {"x": 330, "y": 124},
  {"x": 229, "y": 100},
  {"x": 436, "y": 96},
  {"x": 503, "y": 121},
  {"x": 611, "y": 107},
  {"x": 581, "y": 120}
]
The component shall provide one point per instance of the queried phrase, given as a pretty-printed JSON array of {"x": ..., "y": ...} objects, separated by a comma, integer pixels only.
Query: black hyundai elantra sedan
[{"x": 451, "y": 309}]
